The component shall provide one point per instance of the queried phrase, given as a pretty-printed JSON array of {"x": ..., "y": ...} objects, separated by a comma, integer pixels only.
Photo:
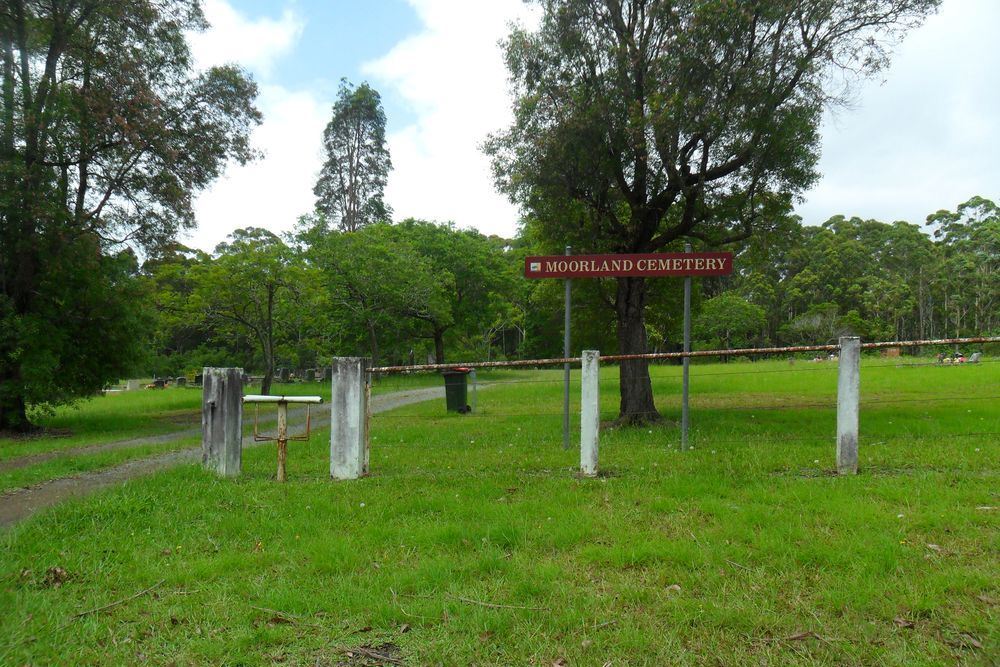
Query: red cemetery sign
[{"x": 650, "y": 265}]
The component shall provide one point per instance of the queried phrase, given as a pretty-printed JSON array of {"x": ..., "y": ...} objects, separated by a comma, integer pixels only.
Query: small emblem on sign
[{"x": 536, "y": 266}]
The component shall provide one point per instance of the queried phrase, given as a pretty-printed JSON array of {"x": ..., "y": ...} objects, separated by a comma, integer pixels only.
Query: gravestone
[
  {"x": 310, "y": 375},
  {"x": 283, "y": 375},
  {"x": 198, "y": 379},
  {"x": 976, "y": 356},
  {"x": 132, "y": 385},
  {"x": 321, "y": 374},
  {"x": 181, "y": 381},
  {"x": 159, "y": 383}
]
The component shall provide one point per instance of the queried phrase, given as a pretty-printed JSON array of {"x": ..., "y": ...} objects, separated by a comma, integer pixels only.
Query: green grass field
[{"x": 475, "y": 542}]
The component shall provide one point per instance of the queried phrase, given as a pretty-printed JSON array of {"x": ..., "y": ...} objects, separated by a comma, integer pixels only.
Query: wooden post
[
  {"x": 590, "y": 412},
  {"x": 848, "y": 400},
  {"x": 349, "y": 416},
  {"x": 222, "y": 420},
  {"x": 282, "y": 439}
]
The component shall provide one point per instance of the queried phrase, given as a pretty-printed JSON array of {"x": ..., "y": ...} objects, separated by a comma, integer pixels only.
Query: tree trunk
[
  {"x": 636, "y": 389},
  {"x": 13, "y": 411},
  {"x": 439, "y": 346}
]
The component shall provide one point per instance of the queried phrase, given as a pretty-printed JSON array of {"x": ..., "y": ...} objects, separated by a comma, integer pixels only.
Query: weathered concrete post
[
  {"x": 848, "y": 399},
  {"x": 590, "y": 412},
  {"x": 351, "y": 388},
  {"x": 222, "y": 420}
]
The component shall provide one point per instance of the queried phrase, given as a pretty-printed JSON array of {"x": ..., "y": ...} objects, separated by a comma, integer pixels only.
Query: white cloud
[
  {"x": 453, "y": 75},
  {"x": 925, "y": 139},
  {"x": 233, "y": 38},
  {"x": 275, "y": 190}
]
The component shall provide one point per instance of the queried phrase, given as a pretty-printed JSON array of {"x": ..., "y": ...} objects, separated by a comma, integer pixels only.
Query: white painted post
[
  {"x": 590, "y": 412},
  {"x": 349, "y": 417},
  {"x": 222, "y": 420},
  {"x": 848, "y": 399}
]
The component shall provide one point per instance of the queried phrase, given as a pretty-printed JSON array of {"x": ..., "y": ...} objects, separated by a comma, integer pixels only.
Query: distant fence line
[{"x": 742, "y": 352}]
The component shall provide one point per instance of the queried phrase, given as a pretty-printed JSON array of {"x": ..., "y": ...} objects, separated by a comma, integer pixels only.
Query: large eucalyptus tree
[
  {"x": 106, "y": 133},
  {"x": 641, "y": 123}
]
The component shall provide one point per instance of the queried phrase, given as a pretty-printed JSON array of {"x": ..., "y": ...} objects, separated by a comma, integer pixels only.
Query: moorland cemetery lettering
[{"x": 643, "y": 265}]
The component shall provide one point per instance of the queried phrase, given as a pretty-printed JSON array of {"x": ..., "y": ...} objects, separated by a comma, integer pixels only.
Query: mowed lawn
[{"x": 475, "y": 542}]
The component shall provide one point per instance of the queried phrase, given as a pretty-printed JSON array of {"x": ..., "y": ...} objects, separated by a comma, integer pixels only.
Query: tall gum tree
[
  {"x": 106, "y": 132},
  {"x": 351, "y": 185},
  {"x": 658, "y": 121}
]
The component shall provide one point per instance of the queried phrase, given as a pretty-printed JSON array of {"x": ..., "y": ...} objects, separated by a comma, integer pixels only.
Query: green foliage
[
  {"x": 255, "y": 286},
  {"x": 881, "y": 281},
  {"x": 729, "y": 321},
  {"x": 379, "y": 285},
  {"x": 349, "y": 192},
  {"x": 478, "y": 294},
  {"x": 971, "y": 272},
  {"x": 105, "y": 134}
]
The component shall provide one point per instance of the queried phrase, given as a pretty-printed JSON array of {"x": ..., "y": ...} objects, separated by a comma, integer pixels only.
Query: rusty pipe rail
[{"x": 750, "y": 351}]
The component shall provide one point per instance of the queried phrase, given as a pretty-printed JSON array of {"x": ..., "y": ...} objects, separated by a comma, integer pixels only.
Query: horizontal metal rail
[
  {"x": 259, "y": 398},
  {"x": 749, "y": 351}
]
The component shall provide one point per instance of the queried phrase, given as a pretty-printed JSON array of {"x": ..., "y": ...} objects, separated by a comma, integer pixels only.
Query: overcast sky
[{"x": 923, "y": 136}]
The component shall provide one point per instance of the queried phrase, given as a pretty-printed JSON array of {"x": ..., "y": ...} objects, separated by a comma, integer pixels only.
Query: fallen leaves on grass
[
  {"x": 55, "y": 577},
  {"x": 903, "y": 623}
]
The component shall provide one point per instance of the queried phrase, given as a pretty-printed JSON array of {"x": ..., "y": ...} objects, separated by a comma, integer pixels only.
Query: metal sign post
[
  {"x": 566, "y": 346},
  {"x": 282, "y": 436},
  {"x": 687, "y": 348},
  {"x": 637, "y": 265}
]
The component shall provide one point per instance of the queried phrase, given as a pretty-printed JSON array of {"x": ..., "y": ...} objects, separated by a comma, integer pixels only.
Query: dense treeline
[
  {"x": 107, "y": 131},
  {"x": 416, "y": 291}
]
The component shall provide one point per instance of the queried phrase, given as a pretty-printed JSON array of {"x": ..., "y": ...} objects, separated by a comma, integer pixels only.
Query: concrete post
[
  {"x": 848, "y": 399},
  {"x": 351, "y": 387},
  {"x": 222, "y": 420},
  {"x": 590, "y": 412}
]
